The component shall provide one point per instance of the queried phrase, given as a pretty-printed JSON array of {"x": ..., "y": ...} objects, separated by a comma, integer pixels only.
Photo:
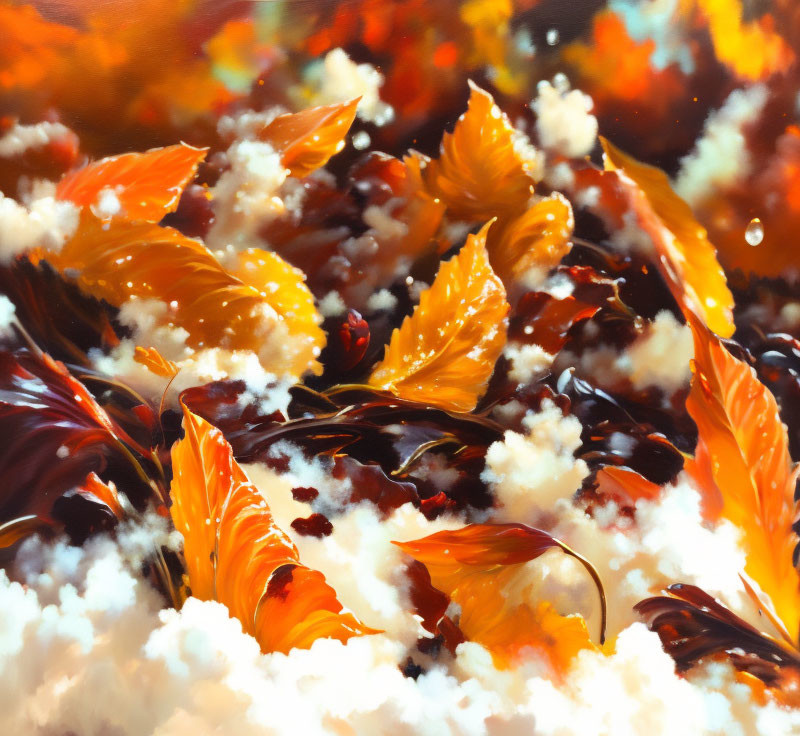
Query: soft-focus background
[{"x": 132, "y": 74}]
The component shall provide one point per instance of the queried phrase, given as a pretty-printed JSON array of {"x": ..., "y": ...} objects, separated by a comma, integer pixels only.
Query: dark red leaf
[
  {"x": 430, "y": 604},
  {"x": 52, "y": 434},
  {"x": 693, "y": 625},
  {"x": 316, "y": 525},
  {"x": 543, "y": 320}
]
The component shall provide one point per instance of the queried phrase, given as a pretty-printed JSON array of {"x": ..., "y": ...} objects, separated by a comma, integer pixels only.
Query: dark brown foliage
[{"x": 694, "y": 626}]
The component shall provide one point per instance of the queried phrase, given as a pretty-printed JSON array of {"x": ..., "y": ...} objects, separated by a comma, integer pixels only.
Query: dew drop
[{"x": 754, "y": 233}]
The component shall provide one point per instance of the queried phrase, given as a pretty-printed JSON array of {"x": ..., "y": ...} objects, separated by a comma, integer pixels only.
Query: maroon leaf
[
  {"x": 692, "y": 625},
  {"x": 53, "y": 434},
  {"x": 370, "y": 483},
  {"x": 543, "y": 320},
  {"x": 430, "y": 604}
]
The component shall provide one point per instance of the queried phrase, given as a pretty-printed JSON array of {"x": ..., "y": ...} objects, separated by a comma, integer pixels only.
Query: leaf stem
[{"x": 590, "y": 568}]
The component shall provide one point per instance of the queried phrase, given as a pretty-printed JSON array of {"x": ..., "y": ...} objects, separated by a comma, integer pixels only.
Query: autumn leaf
[
  {"x": 261, "y": 303},
  {"x": 146, "y": 185},
  {"x": 156, "y": 363},
  {"x": 444, "y": 353},
  {"x": 684, "y": 255},
  {"x": 15, "y": 530},
  {"x": 307, "y": 139},
  {"x": 55, "y": 434},
  {"x": 482, "y": 171},
  {"x": 537, "y": 239},
  {"x": 98, "y": 491},
  {"x": 626, "y": 484},
  {"x": 477, "y": 567},
  {"x": 692, "y": 626},
  {"x": 235, "y": 553},
  {"x": 739, "y": 428},
  {"x": 752, "y": 49}
]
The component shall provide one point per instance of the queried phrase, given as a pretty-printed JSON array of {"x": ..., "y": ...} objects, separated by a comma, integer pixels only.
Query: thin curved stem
[{"x": 590, "y": 568}]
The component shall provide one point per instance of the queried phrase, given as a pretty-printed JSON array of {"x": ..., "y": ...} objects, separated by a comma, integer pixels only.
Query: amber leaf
[
  {"x": 13, "y": 531},
  {"x": 685, "y": 256},
  {"x": 539, "y": 238},
  {"x": 480, "y": 172},
  {"x": 156, "y": 363},
  {"x": 98, "y": 491},
  {"x": 626, "y": 484},
  {"x": 235, "y": 309},
  {"x": 307, "y": 139},
  {"x": 476, "y": 567},
  {"x": 237, "y": 555},
  {"x": 748, "y": 459},
  {"x": 444, "y": 353},
  {"x": 146, "y": 185}
]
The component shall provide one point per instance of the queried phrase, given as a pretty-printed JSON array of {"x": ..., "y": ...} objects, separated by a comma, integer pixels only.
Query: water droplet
[
  {"x": 754, "y": 233},
  {"x": 552, "y": 37}
]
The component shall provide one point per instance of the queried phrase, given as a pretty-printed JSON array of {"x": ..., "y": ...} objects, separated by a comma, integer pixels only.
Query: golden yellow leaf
[
  {"x": 444, "y": 353},
  {"x": 538, "y": 238},
  {"x": 156, "y": 363},
  {"x": 307, "y": 139},
  {"x": 754, "y": 50},
  {"x": 146, "y": 185},
  {"x": 684, "y": 255},
  {"x": 480, "y": 172},
  {"x": 265, "y": 308},
  {"x": 235, "y": 553},
  {"x": 748, "y": 459},
  {"x": 480, "y": 568}
]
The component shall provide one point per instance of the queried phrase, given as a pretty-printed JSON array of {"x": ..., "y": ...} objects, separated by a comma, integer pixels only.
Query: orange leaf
[
  {"x": 684, "y": 255},
  {"x": 477, "y": 567},
  {"x": 156, "y": 363},
  {"x": 444, "y": 353},
  {"x": 626, "y": 484},
  {"x": 96, "y": 490},
  {"x": 239, "y": 309},
  {"x": 748, "y": 458},
  {"x": 538, "y": 238},
  {"x": 235, "y": 554},
  {"x": 147, "y": 185},
  {"x": 480, "y": 172},
  {"x": 12, "y": 531},
  {"x": 307, "y": 139}
]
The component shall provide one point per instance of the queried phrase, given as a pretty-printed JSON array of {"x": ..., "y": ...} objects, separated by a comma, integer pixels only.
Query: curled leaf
[
  {"x": 13, "y": 531},
  {"x": 142, "y": 186},
  {"x": 536, "y": 239},
  {"x": 686, "y": 258},
  {"x": 482, "y": 170},
  {"x": 692, "y": 625},
  {"x": 744, "y": 450},
  {"x": 476, "y": 567},
  {"x": 55, "y": 434},
  {"x": 307, "y": 139},
  {"x": 444, "y": 353},
  {"x": 104, "y": 493},
  {"x": 156, "y": 363},
  {"x": 247, "y": 308},
  {"x": 235, "y": 553}
]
